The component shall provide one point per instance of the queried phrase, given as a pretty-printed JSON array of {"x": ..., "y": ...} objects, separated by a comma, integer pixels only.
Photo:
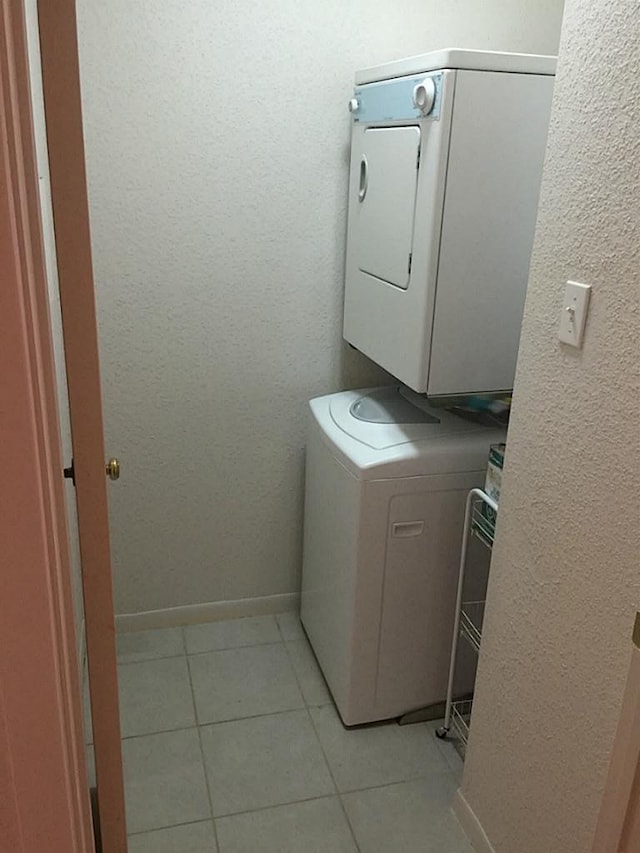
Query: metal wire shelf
[
  {"x": 471, "y": 616},
  {"x": 461, "y": 719},
  {"x": 479, "y": 520},
  {"x": 483, "y": 521}
]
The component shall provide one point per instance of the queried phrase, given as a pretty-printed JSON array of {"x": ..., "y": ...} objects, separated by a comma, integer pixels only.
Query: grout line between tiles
[
  {"x": 204, "y": 652},
  {"x": 151, "y": 660},
  {"x": 160, "y": 732},
  {"x": 204, "y": 763},
  {"x": 326, "y": 760},
  {"x": 334, "y": 795},
  {"x": 170, "y": 826},
  {"x": 207, "y": 652},
  {"x": 193, "y": 694},
  {"x": 236, "y": 648},
  {"x": 255, "y": 717},
  {"x": 446, "y": 770},
  {"x": 216, "y": 723},
  {"x": 295, "y": 675},
  {"x": 163, "y": 732},
  {"x": 409, "y": 780},
  {"x": 280, "y": 631},
  {"x": 308, "y": 704}
]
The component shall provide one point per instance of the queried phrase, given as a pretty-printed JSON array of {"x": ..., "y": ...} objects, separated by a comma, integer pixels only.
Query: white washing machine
[{"x": 386, "y": 482}]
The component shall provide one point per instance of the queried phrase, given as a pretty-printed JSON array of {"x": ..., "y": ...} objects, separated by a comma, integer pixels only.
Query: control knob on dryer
[
  {"x": 424, "y": 95},
  {"x": 354, "y": 105}
]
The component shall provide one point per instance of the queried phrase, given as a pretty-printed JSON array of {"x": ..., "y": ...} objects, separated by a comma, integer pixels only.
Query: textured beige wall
[
  {"x": 565, "y": 578},
  {"x": 217, "y": 150}
]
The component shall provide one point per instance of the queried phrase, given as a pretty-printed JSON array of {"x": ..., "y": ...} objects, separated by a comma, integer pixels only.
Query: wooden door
[
  {"x": 618, "y": 829},
  {"x": 44, "y": 801},
  {"x": 63, "y": 112}
]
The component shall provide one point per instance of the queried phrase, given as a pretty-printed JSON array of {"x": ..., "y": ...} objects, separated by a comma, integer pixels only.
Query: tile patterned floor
[{"x": 231, "y": 744}]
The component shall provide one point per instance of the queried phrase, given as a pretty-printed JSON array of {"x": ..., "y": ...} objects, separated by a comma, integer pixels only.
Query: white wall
[
  {"x": 40, "y": 133},
  {"x": 217, "y": 143},
  {"x": 565, "y": 576}
]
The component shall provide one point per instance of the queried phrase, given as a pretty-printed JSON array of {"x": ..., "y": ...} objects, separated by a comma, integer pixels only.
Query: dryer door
[{"x": 388, "y": 178}]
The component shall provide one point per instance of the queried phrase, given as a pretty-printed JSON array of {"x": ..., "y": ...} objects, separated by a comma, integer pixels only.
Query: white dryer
[
  {"x": 447, "y": 152},
  {"x": 386, "y": 482}
]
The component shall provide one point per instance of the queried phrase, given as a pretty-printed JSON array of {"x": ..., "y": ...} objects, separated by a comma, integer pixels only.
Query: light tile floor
[{"x": 231, "y": 744}]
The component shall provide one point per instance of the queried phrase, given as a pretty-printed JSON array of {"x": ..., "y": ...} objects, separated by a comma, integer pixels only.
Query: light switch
[{"x": 574, "y": 313}]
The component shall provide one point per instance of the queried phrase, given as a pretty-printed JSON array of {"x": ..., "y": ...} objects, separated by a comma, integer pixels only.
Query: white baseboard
[
  {"x": 209, "y": 611},
  {"x": 471, "y": 825}
]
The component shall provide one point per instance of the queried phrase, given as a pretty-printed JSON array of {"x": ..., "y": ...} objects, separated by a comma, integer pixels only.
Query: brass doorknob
[{"x": 113, "y": 469}]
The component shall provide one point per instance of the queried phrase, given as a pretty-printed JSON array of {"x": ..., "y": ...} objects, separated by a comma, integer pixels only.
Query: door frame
[
  {"x": 70, "y": 207},
  {"x": 44, "y": 795},
  {"x": 618, "y": 829}
]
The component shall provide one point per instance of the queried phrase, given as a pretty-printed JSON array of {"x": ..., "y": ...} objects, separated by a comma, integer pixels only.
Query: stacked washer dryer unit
[{"x": 446, "y": 160}]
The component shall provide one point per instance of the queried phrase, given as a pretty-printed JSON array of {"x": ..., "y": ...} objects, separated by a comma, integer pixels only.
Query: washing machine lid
[
  {"x": 375, "y": 449},
  {"x": 381, "y": 418},
  {"x": 454, "y": 58},
  {"x": 392, "y": 406}
]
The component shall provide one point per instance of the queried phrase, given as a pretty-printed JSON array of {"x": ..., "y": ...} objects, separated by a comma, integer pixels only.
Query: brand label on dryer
[{"x": 392, "y": 100}]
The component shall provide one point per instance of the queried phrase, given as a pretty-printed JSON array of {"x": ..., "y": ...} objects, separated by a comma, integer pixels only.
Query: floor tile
[
  {"x": 310, "y": 679},
  {"x": 264, "y": 761},
  {"x": 375, "y": 755},
  {"x": 407, "y": 817},
  {"x": 190, "y": 838},
  {"x": 231, "y": 634},
  {"x": 316, "y": 826},
  {"x": 290, "y": 625},
  {"x": 164, "y": 780},
  {"x": 147, "y": 645},
  {"x": 236, "y": 683},
  {"x": 155, "y": 696}
]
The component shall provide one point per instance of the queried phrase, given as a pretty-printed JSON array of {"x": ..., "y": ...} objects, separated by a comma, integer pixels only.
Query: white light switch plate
[{"x": 574, "y": 313}]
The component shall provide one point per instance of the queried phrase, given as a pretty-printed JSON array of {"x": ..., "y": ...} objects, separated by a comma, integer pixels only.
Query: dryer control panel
[{"x": 408, "y": 98}]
